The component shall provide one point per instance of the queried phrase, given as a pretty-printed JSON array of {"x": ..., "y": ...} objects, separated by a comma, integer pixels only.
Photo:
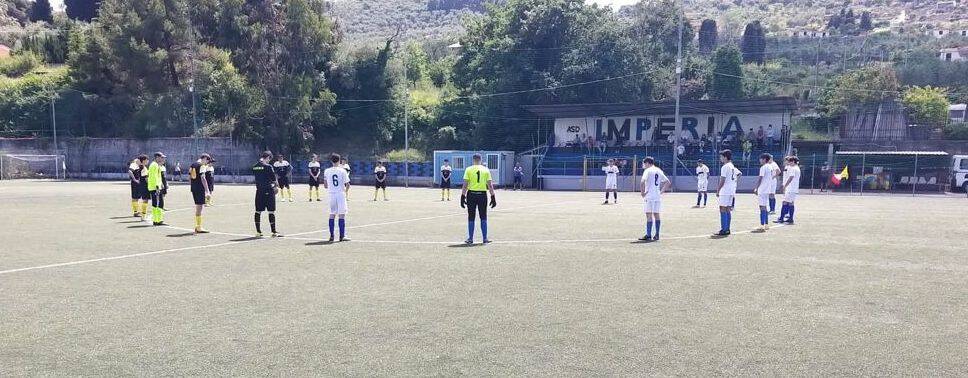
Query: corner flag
[{"x": 837, "y": 177}]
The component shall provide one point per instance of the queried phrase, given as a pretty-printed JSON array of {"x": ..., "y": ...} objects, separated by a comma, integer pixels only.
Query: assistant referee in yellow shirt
[{"x": 477, "y": 184}]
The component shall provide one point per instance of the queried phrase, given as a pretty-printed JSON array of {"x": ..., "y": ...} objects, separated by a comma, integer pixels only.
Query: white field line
[{"x": 89, "y": 261}]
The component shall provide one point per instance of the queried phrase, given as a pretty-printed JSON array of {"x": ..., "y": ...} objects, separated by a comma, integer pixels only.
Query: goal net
[{"x": 16, "y": 166}]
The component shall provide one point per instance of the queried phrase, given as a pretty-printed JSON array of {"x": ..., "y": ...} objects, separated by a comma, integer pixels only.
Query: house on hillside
[
  {"x": 954, "y": 54},
  {"x": 958, "y": 112},
  {"x": 4, "y": 52}
]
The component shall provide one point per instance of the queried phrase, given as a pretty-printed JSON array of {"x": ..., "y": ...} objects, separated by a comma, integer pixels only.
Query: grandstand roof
[{"x": 758, "y": 105}]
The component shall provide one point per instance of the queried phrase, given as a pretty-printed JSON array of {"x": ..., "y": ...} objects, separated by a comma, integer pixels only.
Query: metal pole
[
  {"x": 914, "y": 186},
  {"x": 635, "y": 173},
  {"x": 863, "y": 168},
  {"x": 678, "y": 129},
  {"x": 813, "y": 171},
  {"x": 53, "y": 119}
]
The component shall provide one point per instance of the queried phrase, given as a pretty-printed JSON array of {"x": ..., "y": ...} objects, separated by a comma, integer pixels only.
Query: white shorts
[
  {"x": 337, "y": 203},
  {"x": 790, "y": 197},
  {"x": 611, "y": 183},
  {"x": 653, "y": 206},
  {"x": 727, "y": 200},
  {"x": 703, "y": 185},
  {"x": 764, "y": 199}
]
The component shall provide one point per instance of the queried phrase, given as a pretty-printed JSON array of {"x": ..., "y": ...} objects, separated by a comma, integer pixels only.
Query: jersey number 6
[{"x": 335, "y": 180}]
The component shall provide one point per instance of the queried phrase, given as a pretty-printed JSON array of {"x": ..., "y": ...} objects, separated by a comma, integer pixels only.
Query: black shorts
[
  {"x": 283, "y": 182},
  {"x": 517, "y": 179},
  {"x": 143, "y": 189},
  {"x": 445, "y": 184},
  {"x": 265, "y": 200},
  {"x": 198, "y": 197},
  {"x": 157, "y": 198},
  {"x": 135, "y": 191},
  {"x": 381, "y": 185},
  {"x": 313, "y": 183},
  {"x": 476, "y": 205}
]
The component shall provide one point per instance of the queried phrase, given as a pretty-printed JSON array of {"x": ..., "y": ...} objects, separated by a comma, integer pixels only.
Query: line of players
[
  {"x": 654, "y": 183},
  {"x": 273, "y": 177},
  {"x": 148, "y": 185}
]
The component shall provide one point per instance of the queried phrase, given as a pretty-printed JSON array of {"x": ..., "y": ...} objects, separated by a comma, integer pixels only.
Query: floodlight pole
[
  {"x": 406, "y": 121},
  {"x": 678, "y": 128}
]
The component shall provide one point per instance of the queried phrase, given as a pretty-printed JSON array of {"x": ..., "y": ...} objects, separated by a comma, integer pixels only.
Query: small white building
[
  {"x": 954, "y": 54},
  {"x": 958, "y": 112}
]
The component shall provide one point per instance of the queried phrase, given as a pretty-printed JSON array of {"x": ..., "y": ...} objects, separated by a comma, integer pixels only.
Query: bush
[
  {"x": 956, "y": 131},
  {"x": 404, "y": 155},
  {"x": 19, "y": 64}
]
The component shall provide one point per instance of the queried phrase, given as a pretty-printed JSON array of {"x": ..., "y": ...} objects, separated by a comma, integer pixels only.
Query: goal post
[
  {"x": 593, "y": 177},
  {"x": 25, "y": 166}
]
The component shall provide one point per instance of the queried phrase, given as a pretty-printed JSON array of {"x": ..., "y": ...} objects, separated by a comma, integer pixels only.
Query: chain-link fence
[{"x": 873, "y": 172}]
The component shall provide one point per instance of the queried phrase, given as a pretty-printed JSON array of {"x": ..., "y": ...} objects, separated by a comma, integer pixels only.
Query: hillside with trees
[{"x": 209, "y": 68}]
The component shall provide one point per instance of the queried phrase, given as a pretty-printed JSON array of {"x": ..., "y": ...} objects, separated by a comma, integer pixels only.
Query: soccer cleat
[
  {"x": 331, "y": 239},
  {"x": 487, "y": 241},
  {"x": 386, "y": 199},
  {"x": 344, "y": 239},
  {"x": 258, "y": 234},
  {"x": 201, "y": 231},
  {"x": 159, "y": 223},
  {"x": 605, "y": 203},
  {"x": 646, "y": 238},
  {"x": 468, "y": 242},
  {"x": 656, "y": 238},
  {"x": 276, "y": 235},
  {"x": 773, "y": 213},
  {"x": 290, "y": 200},
  {"x": 779, "y": 221},
  {"x": 137, "y": 215}
]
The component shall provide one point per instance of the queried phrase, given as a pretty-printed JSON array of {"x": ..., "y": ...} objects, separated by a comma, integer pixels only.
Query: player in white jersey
[
  {"x": 654, "y": 183},
  {"x": 776, "y": 173},
  {"x": 611, "y": 180},
  {"x": 345, "y": 164},
  {"x": 728, "y": 178},
  {"x": 765, "y": 183},
  {"x": 445, "y": 172},
  {"x": 337, "y": 182},
  {"x": 702, "y": 183},
  {"x": 791, "y": 189}
]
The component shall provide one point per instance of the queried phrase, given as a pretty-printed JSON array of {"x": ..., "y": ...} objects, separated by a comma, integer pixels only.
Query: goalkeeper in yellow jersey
[{"x": 156, "y": 188}]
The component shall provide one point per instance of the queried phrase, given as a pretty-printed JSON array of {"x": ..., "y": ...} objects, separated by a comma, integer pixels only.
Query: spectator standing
[
  {"x": 770, "y": 136},
  {"x": 760, "y": 135}
]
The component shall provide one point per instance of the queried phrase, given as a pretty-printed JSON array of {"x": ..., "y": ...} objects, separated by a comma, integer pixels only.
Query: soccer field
[{"x": 870, "y": 285}]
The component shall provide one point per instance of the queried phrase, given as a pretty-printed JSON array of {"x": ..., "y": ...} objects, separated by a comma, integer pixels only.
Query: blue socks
[
  {"x": 698, "y": 198},
  {"x": 764, "y": 217},
  {"x": 722, "y": 221},
  {"x": 705, "y": 196},
  {"x": 783, "y": 211},
  {"x": 790, "y": 211},
  {"x": 658, "y": 224},
  {"x": 332, "y": 226},
  {"x": 470, "y": 230},
  {"x": 342, "y": 228},
  {"x": 648, "y": 229},
  {"x": 484, "y": 228},
  {"x": 772, "y": 204}
]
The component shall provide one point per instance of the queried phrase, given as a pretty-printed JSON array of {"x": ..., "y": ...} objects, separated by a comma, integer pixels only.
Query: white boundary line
[{"x": 79, "y": 262}]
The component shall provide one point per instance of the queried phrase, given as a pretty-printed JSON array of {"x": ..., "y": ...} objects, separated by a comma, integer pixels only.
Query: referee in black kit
[{"x": 266, "y": 187}]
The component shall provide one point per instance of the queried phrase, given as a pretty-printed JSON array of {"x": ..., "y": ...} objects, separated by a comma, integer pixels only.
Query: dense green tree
[
  {"x": 726, "y": 82},
  {"x": 82, "y": 10},
  {"x": 754, "y": 43},
  {"x": 366, "y": 83},
  {"x": 708, "y": 35},
  {"x": 41, "y": 11},
  {"x": 865, "y": 21},
  {"x": 862, "y": 86},
  {"x": 927, "y": 105},
  {"x": 534, "y": 52}
]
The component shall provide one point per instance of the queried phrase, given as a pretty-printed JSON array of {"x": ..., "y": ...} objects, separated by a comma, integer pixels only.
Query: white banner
[{"x": 658, "y": 128}]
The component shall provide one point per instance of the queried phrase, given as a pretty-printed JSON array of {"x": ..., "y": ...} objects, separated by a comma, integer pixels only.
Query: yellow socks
[
  {"x": 198, "y": 222},
  {"x": 134, "y": 207},
  {"x": 144, "y": 209}
]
